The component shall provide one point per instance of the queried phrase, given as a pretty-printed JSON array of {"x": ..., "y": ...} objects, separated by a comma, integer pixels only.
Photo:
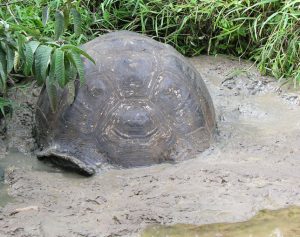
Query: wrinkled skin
[{"x": 142, "y": 104}]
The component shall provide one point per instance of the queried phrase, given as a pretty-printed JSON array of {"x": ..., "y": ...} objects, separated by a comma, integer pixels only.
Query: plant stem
[
  {"x": 10, "y": 3},
  {"x": 10, "y": 12}
]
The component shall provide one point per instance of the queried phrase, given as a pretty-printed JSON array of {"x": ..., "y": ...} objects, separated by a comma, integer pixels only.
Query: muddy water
[
  {"x": 267, "y": 223},
  {"x": 253, "y": 165},
  {"x": 17, "y": 160},
  {"x": 4, "y": 197}
]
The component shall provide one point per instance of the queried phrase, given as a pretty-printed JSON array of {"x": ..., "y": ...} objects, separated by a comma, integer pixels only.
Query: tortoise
[{"x": 142, "y": 103}]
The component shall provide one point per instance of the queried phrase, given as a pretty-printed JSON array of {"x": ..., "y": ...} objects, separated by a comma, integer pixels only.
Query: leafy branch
[{"x": 52, "y": 62}]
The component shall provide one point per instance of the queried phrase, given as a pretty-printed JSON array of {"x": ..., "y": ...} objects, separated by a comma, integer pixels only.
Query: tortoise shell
[{"x": 142, "y": 104}]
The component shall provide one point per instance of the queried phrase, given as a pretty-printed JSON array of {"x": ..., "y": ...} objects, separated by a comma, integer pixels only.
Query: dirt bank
[{"x": 253, "y": 164}]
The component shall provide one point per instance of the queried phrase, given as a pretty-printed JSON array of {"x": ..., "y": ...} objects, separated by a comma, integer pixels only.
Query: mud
[
  {"x": 278, "y": 223},
  {"x": 20, "y": 126},
  {"x": 253, "y": 164}
]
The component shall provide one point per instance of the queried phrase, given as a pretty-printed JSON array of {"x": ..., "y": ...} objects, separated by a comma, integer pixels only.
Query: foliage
[
  {"x": 30, "y": 52},
  {"x": 266, "y": 31}
]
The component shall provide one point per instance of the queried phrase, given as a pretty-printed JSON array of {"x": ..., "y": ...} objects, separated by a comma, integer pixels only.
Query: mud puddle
[
  {"x": 253, "y": 165},
  {"x": 267, "y": 223},
  {"x": 16, "y": 160},
  {"x": 4, "y": 197}
]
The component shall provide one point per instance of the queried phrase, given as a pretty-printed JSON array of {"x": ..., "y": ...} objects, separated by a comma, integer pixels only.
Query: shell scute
[
  {"x": 133, "y": 74},
  {"x": 179, "y": 102}
]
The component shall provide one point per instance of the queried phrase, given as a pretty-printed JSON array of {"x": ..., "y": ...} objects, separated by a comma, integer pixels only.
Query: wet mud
[
  {"x": 278, "y": 223},
  {"x": 252, "y": 165},
  {"x": 4, "y": 197}
]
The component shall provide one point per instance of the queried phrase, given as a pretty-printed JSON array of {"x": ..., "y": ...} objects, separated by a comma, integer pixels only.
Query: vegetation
[
  {"x": 265, "y": 31},
  {"x": 29, "y": 49}
]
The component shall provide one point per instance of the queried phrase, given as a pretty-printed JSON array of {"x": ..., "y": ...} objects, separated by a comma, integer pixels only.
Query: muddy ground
[{"x": 253, "y": 164}]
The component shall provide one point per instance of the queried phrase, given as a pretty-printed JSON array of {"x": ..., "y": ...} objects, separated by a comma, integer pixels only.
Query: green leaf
[
  {"x": 16, "y": 61},
  {"x": 42, "y": 60},
  {"x": 10, "y": 53},
  {"x": 51, "y": 84},
  {"x": 3, "y": 77},
  {"x": 21, "y": 39},
  {"x": 33, "y": 45},
  {"x": 70, "y": 71},
  {"x": 45, "y": 15},
  {"x": 59, "y": 24},
  {"x": 78, "y": 50},
  {"x": 5, "y": 103},
  {"x": 52, "y": 66},
  {"x": 29, "y": 60},
  {"x": 76, "y": 21},
  {"x": 60, "y": 67},
  {"x": 77, "y": 62},
  {"x": 30, "y": 49},
  {"x": 66, "y": 12},
  {"x": 3, "y": 60}
]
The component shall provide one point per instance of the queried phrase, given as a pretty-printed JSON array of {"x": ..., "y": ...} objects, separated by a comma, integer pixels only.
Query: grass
[
  {"x": 264, "y": 31},
  {"x": 29, "y": 13}
]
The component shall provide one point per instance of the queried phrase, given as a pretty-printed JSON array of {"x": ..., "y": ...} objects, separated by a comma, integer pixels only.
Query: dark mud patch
[{"x": 20, "y": 127}]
